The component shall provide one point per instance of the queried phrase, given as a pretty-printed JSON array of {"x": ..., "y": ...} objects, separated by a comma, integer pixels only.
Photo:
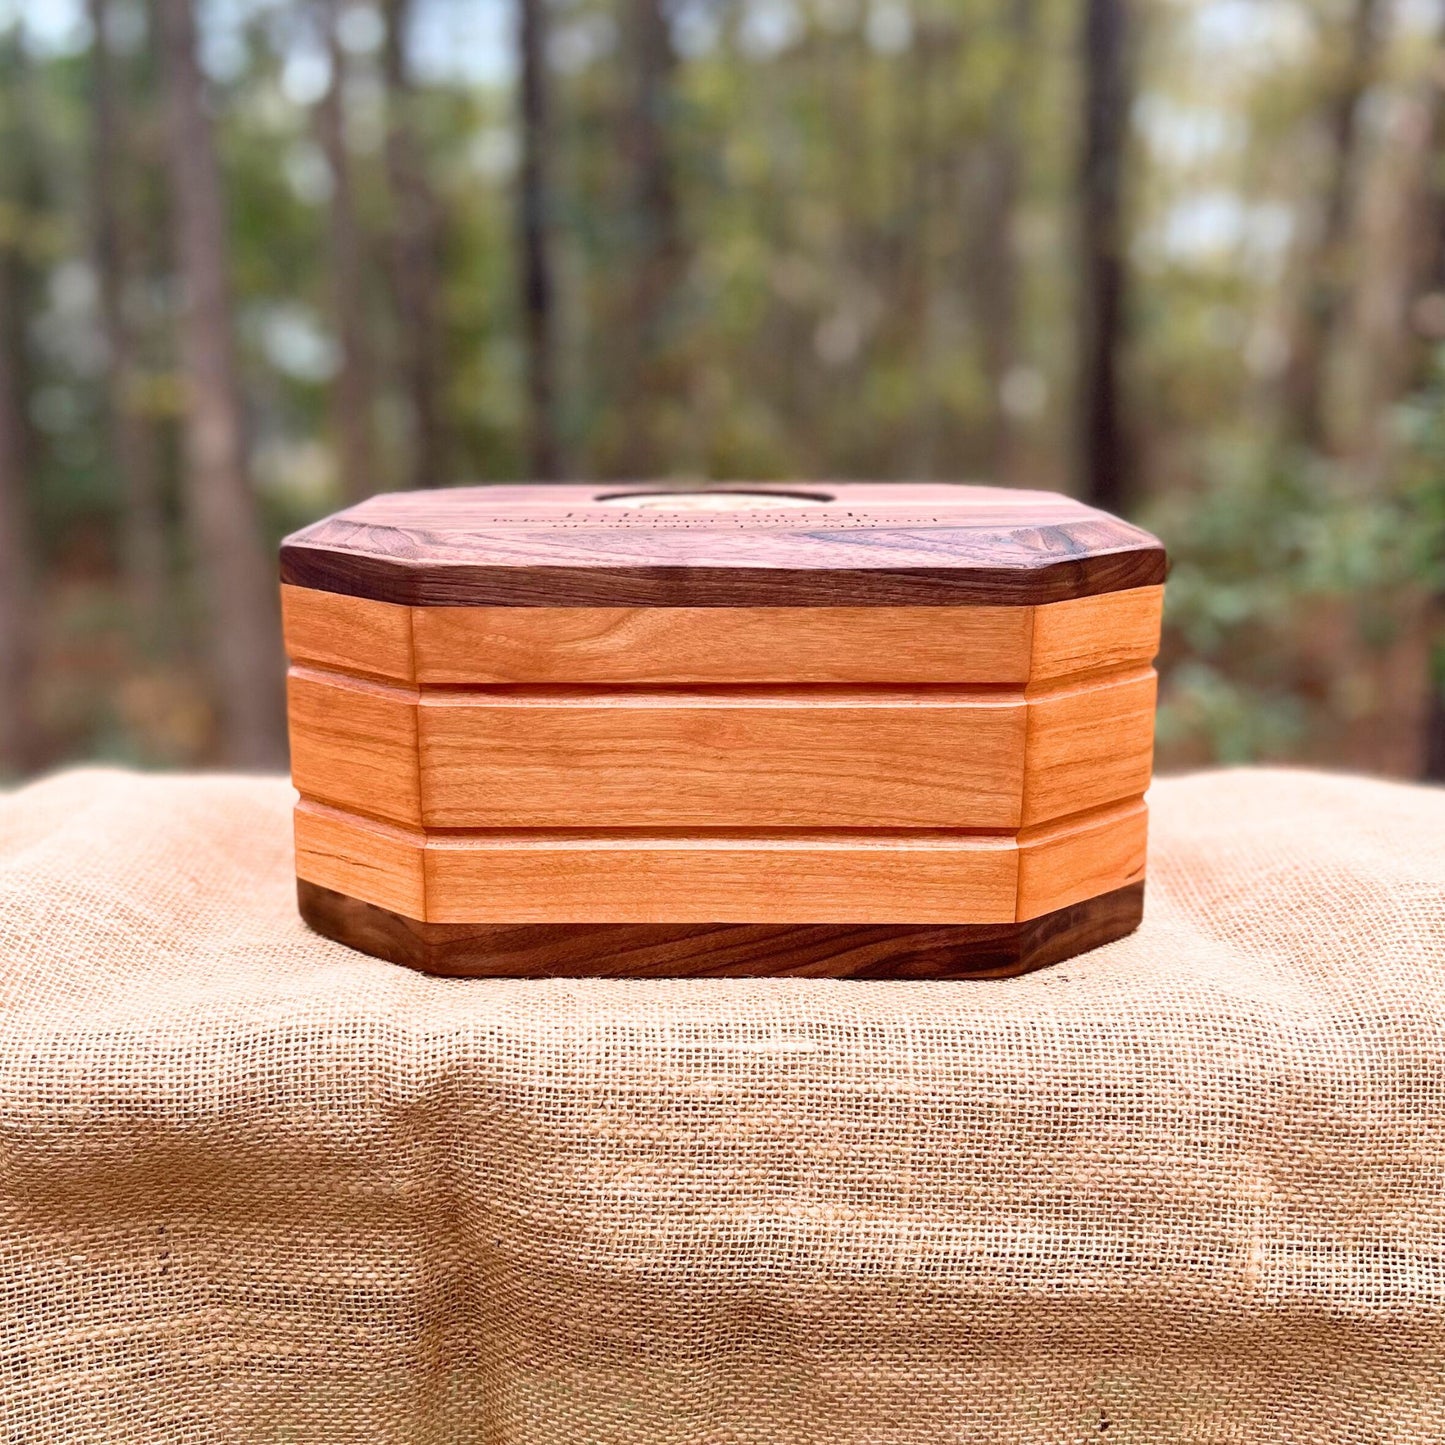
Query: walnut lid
[{"x": 853, "y": 544}]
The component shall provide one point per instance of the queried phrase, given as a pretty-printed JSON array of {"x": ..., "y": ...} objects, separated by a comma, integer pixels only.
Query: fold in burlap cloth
[{"x": 255, "y": 1187}]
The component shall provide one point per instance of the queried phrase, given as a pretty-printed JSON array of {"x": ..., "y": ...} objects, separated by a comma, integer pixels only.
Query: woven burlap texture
[{"x": 257, "y": 1187}]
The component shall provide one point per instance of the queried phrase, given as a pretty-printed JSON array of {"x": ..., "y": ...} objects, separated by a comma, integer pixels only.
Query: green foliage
[
  {"x": 854, "y": 299},
  {"x": 1422, "y": 428},
  {"x": 1287, "y": 571},
  {"x": 1422, "y": 424}
]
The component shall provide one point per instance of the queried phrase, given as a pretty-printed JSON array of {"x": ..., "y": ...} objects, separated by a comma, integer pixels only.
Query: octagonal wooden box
[{"x": 852, "y": 730}]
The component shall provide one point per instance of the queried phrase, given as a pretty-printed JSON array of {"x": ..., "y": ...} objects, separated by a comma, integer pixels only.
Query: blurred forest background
[{"x": 1185, "y": 258}]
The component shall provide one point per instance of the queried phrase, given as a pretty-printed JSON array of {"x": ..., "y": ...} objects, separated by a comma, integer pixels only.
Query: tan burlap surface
[{"x": 255, "y": 1187}]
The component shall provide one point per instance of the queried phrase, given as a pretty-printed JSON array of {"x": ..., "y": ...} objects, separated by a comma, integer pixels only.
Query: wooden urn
[{"x": 869, "y": 731}]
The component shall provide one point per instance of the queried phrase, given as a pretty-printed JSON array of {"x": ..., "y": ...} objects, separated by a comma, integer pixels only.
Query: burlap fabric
[{"x": 255, "y": 1187}]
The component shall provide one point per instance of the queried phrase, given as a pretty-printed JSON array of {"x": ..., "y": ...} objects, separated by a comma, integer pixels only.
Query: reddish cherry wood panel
[
  {"x": 1065, "y": 861},
  {"x": 484, "y": 646},
  {"x": 1088, "y": 744},
  {"x": 660, "y": 645},
  {"x": 721, "y": 758},
  {"x": 348, "y": 634},
  {"x": 1111, "y": 632},
  {"x": 378, "y": 862},
  {"x": 790, "y": 877},
  {"x": 649, "y": 876},
  {"x": 355, "y": 744}
]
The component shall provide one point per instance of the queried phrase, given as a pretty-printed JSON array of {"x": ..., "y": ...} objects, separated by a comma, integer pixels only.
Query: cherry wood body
[
  {"x": 906, "y": 730},
  {"x": 723, "y": 875},
  {"x": 720, "y": 757},
  {"x": 630, "y": 646}
]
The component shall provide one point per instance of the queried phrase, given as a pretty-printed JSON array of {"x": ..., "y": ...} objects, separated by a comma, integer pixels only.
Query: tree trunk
[
  {"x": 998, "y": 268},
  {"x": 354, "y": 395},
  {"x": 18, "y": 741},
  {"x": 132, "y": 440},
  {"x": 1433, "y": 770},
  {"x": 237, "y": 578},
  {"x": 1431, "y": 287},
  {"x": 416, "y": 260},
  {"x": 534, "y": 218},
  {"x": 1328, "y": 265},
  {"x": 658, "y": 259},
  {"x": 1104, "y": 455},
  {"x": 914, "y": 279}
]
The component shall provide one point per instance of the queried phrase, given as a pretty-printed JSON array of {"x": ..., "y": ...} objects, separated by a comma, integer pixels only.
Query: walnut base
[{"x": 723, "y": 950}]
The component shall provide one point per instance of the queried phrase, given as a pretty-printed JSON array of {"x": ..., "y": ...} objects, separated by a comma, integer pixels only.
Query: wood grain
[
  {"x": 1088, "y": 744},
  {"x": 355, "y": 744},
  {"x": 383, "y": 865},
  {"x": 1110, "y": 632},
  {"x": 1071, "y": 859},
  {"x": 719, "y": 758},
  {"x": 547, "y": 877},
  {"x": 721, "y": 878},
  {"x": 711, "y": 950},
  {"x": 659, "y": 645},
  {"x": 868, "y": 546},
  {"x": 647, "y": 877},
  {"x": 349, "y": 634},
  {"x": 442, "y": 646}
]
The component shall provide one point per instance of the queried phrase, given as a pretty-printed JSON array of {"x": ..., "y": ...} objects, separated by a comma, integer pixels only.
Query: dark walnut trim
[
  {"x": 414, "y": 584},
  {"x": 723, "y": 950},
  {"x": 863, "y": 545}
]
